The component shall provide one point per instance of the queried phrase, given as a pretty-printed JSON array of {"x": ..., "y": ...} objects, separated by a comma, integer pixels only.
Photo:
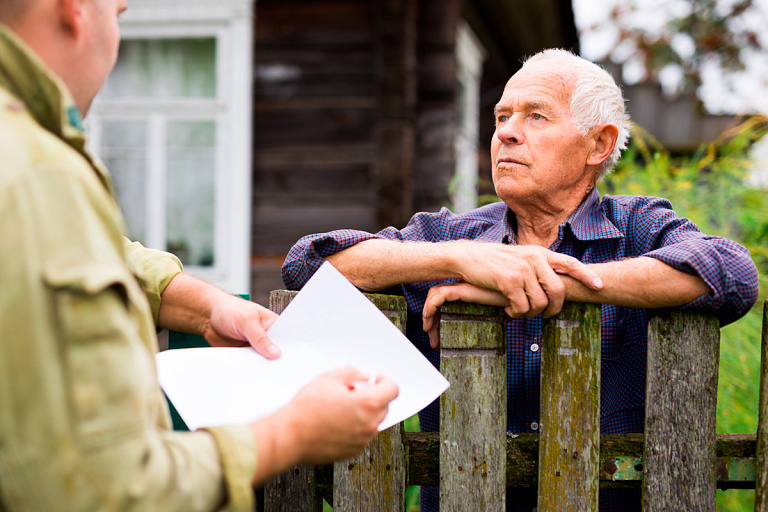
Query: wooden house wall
[
  {"x": 314, "y": 113},
  {"x": 437, "y": 110},
  {"x": 354, "y": 114}
]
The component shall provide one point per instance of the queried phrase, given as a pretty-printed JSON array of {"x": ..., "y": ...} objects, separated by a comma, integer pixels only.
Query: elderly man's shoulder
[{"x": 628, "y": 204}]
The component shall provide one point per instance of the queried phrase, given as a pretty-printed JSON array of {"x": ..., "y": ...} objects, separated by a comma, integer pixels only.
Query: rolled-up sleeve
[
  {"x": 306, "y": 256},
  {"x": 724, "y": 265},
  {"x": 153, "y": 270},
  {"x": 237, "y": 449}
]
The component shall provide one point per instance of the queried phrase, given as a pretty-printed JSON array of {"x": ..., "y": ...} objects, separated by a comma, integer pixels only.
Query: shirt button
[
  {"x": 535, "y": 347},
  {"x": 534, "y": 426}
]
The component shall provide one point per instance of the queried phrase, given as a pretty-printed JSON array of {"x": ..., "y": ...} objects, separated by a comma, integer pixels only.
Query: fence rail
[{"x": 679, "y": 462}]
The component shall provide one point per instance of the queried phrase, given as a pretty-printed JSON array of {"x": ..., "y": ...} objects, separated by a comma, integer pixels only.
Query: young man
[{"x": 83, "y": 423}]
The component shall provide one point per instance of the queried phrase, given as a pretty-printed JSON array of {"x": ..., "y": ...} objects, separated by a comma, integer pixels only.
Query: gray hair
[{"x": 596, "y": 99}]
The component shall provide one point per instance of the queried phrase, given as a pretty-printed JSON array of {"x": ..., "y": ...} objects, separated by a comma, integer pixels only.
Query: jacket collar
[{"x": 46, "y": 98}]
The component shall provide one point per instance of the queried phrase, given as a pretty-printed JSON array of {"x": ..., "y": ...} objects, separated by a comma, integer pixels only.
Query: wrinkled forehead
[{"x": 549, "y": 80}]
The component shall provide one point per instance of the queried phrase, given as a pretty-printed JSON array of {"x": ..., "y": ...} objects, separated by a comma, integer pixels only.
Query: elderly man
[
  {"x": 83, "y": 423},
  {"x": 560, "y": 126}
]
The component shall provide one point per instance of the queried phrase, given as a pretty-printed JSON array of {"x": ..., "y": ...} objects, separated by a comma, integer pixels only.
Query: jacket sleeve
[
  {"x": 83, "y": 424},
  {"x": 724, "y": 265},
  {"x": 153, "y": 270}
]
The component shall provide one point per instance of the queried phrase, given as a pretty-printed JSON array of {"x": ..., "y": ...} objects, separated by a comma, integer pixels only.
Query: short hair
[
  {"x": 596, "y": 99},
  {"x": 12, "y": 10}
]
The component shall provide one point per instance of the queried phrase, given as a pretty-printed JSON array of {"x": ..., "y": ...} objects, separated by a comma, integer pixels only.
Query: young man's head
[{"x": 77, "y": 39}]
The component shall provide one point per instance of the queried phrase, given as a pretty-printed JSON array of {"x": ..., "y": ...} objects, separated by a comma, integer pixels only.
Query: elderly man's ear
[{"x": 603, "y": 140}]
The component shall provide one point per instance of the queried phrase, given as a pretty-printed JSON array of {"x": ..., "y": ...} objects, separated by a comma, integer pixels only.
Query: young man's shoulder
[{"x": 28, "y": 147}]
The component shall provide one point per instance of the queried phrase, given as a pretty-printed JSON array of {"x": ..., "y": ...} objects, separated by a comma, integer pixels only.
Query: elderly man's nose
[{"x": 509, "y": 132}]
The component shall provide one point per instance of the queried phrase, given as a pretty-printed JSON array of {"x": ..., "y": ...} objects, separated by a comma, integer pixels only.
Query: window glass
[
  {"x": 124, "y": 149},
  {"x": 190, "y": 175},
  {"x": 163, "y": 69}
]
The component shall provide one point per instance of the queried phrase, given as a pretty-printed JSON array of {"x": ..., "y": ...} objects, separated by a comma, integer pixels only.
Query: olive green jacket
[{"x": 83, "y": 423}]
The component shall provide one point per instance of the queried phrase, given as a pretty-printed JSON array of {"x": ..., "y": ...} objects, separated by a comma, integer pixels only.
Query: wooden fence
[{"x": 679, "y": 461}]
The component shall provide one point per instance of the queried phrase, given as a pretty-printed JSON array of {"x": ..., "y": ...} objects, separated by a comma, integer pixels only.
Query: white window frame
[
  {"x": 470, "y": 56},
  {"x": 230, "y": 23}
]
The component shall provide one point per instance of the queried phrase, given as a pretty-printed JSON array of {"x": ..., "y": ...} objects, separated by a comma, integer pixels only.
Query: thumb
[{"x": 563, "y": 264}]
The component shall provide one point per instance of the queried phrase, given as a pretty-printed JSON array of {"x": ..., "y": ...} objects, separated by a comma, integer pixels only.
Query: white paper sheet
[{"x": 328, "y": 325}]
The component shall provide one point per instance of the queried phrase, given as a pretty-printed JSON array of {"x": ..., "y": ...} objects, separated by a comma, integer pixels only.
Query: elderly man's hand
[
  {"x": 527, "y": 275},
  {"x": 442, "y": 293}
]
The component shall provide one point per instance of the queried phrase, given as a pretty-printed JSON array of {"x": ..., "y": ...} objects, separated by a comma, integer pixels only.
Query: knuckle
[
  {"x": 538, "y": 302},
  {"x": 556, "y": 287}
]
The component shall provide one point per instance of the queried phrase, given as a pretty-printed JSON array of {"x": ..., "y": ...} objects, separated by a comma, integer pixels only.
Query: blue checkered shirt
[{"x": 599, "y": 231}]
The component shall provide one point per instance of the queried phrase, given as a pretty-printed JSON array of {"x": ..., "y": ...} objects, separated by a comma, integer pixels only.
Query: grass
[{"x": 738, "y": 393}]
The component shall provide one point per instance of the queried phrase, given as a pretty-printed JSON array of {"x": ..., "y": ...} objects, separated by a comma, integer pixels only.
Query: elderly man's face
[{"x": 538, "y": 155}]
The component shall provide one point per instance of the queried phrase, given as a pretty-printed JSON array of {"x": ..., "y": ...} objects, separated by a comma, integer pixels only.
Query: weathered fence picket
[
  {"x": 569, "y": 423},
  {"x": 375, "y": 480},
  {"x": 678, "y": 463},
  {"x": 681, "y": 413},
  {"x": 473, "y": 410},
  {"x": 761, "y": 483},
  {"x": 294, "y": 490}
]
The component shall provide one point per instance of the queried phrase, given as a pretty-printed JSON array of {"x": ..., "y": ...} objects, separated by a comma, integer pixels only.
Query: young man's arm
[
  {"x": 191, "y": 305},
  {"x": 326, "y": 421}
]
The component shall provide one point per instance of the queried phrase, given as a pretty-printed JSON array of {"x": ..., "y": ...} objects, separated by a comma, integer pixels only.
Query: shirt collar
[
  {"x": 500, "y": 231},
  {"x": 587, "y": 223},
  {"x": 46, "y": 98}
]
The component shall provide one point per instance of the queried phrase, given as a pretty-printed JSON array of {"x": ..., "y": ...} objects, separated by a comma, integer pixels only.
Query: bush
[{"x": 712, "y": 189}]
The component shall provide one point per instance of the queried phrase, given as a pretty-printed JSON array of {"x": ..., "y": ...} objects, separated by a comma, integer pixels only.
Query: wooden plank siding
[
  {"x": 314, "y": 119},
  {"x": 342, "y": 91},
  {"x": 437, "y": 112}
]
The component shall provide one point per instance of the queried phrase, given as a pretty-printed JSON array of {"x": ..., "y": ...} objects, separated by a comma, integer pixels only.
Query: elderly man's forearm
[
  {"x": 639, "y": 282},
  {"x": 377, "y": 264}
]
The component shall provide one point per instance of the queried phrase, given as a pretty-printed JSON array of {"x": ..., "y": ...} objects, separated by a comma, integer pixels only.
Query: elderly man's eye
[
  {"x": 537, "y": 117},
  {"x": 502, "y": 119}
]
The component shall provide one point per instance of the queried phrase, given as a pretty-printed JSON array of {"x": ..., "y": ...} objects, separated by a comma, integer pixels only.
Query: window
[
  {"x": 469, "y": 56},
  {"x": 173, "y": 125}
]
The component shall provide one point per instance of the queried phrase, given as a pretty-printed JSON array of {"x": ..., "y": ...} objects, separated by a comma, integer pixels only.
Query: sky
[{"x": 739, "y": 93}]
